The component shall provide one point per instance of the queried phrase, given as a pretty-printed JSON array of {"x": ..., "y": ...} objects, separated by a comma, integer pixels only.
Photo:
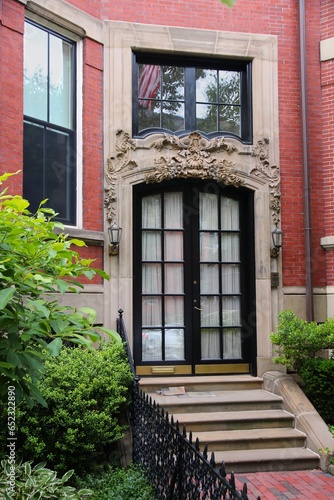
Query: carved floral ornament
[{"x": 192, "y": 156}]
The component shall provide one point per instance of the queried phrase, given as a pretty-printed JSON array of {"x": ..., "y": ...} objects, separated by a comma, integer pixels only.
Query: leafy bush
[
  {"x": 298, "y": 340},
  {"x": 87, "y": 393},
  {"x": 119, "y": 484},
  {"x": 317, "y": 381},
  {"x": 36, "y": 262},
  {"x": 37, "y": 483}
]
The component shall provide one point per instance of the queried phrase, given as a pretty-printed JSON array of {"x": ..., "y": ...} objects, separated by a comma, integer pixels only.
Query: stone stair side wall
[{"x": 307, "y": 419}]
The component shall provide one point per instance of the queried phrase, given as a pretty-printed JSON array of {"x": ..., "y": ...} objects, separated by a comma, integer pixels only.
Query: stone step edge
[
  {"x": 190, "y": 418},
  {"x": 208, "y": 437},
  {"x": 264, "y": 455}
]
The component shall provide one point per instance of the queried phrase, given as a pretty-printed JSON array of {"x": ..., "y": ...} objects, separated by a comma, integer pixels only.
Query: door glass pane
[
  {"x": 35, "y": 72},
  {"x": 173, "y": 215},
  {"x": 174, "y": 311},
  {"x": 230, "y": 247},
  {"x": 61, "y": 85},
  {"x": 231, "y": 311},
  {"x": 151, "y": 245},
  {"x": 174, "y": 344},
  {"x": 231, "y": 278},
  {"x": 151, "y": 212},
  {"x": 210, "y": 311},
  {"x": 208, "y": 211},
  {"x": 152, "y": 345},
  {"x": 209, "y": 278},
  {"x": 229, "y": 214},
  {"x": 173, "y": 245},
  {"x": 210, "y": 344},
  {"x": 174, "y": 278},
  {"x": 209, "y": 249},
  {"x": 151, "y": 311},
  {"x": 152, "y": 278},
  {"x": 232, "y": 343}
]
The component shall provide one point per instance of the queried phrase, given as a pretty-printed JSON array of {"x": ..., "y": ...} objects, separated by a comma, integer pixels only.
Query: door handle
[{"x": 197, "y": 308}]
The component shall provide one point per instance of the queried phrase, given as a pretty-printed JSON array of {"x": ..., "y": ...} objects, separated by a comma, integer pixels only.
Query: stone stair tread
[
  {"x": 266, "y": 459},
  {"x": 199, "y": 379},
  {"x": 241, "y": 396},
  {"x": 223, "y": 416},
  {"x": 247, "y": 434}
]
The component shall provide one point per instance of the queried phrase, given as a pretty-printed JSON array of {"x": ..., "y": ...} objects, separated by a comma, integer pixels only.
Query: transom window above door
[{"x": 180, "y": 95}]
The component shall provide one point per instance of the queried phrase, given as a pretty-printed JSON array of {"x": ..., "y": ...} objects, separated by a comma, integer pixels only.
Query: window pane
[
  {"x": 149, "y": 83},
  {"x": 173, "y": 245},
  {"x": 210, "y": 311},
  {"x": 173, "y": 215},
  {"x": 174, "y": 344},
  {"x": 206, "y": 117},
  {"x": 208, "y": 211},
  {"x": 151, "y": 212},
  {"x": 152, "y": 278},
  {"x": 173, "y": 116},
  {"x": 231, "y": 311},
  {"x": 59, "y": 172},
  {"x": 33, "y": 158},
  {"x": 231, "y": 278},
  {"x": 230, "y": 247},
  {"x": 35, "y": 72},
  {"x": 151, "y": 310},
  {"x": 232, "y": 343},
  {"x": 61, "y": 84},
  {"x": 206, "y": 85},
  {"x": 151, "y": 245},
  {"x": 174, "y": 311},
  {"x": 173, "y": 83},
  {"x": 149, "y": 115},
  {"x": 229, "y": 119},
  {"x": 209, "y": 250},
  {"x": 174, "y": 278},
  {"x": 152, "y": 345},
  {"x": 229, "y": 214},
  {"x": 210, "y": 344},
  {"x": 209, "y": 278},
  {"x": 229, "y": 87}
]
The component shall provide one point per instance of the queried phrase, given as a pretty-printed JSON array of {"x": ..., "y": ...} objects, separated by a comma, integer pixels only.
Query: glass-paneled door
[{"x": 194, "y": 280}]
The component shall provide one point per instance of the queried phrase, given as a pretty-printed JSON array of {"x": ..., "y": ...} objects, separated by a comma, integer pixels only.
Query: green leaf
[
  {"x": 90, "y": 313},
  {"x": 67, "y": 476},
  {"x": 230, "y": 3},
  {"x": 55, "y": 346},
  {"x": 78, "y": 243},
  {"x": 5, "y": 296},
  {"x": 111, "y": 334}
]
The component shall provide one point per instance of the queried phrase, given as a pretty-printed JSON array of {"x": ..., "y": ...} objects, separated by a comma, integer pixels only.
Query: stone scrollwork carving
[
  {"x": 271, "y": 174},
  {"x": 191, "y": 158},
  {"x": 121, "y": 160}
]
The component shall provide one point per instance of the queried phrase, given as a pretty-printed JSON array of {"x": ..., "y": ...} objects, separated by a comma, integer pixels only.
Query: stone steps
[{"x": 242, "y": 424}]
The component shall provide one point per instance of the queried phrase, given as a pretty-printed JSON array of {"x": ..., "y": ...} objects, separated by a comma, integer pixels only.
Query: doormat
[{"x": 172, "y": 391}]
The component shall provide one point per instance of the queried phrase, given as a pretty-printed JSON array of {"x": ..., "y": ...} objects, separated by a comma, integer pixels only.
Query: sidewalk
[{"x": 313, "y": 484}]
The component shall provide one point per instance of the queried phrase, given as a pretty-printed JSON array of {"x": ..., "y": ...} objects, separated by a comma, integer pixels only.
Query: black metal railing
[{"x": 173, "y": 464}]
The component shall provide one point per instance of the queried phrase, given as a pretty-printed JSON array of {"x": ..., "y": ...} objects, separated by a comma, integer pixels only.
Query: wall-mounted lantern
[
  {"x": 114, "y": 232},
  {"x": 277, "y": 237}
]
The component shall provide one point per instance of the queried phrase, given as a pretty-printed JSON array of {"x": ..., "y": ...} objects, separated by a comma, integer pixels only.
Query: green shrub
[
  {"x": 37, "y": 483},
  {"x": 119, "y": 484},
  {"x": 297, "y": 340},
  {"x": 87, "y": 393},
  {"x": 317, "y": 382}
]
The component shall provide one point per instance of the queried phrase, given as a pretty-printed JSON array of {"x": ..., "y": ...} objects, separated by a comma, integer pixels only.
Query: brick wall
[{"x": 11, "y": 93}]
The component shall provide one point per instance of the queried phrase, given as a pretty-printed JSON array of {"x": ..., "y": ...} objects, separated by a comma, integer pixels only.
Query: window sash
[{"x": 242, "y": 108}]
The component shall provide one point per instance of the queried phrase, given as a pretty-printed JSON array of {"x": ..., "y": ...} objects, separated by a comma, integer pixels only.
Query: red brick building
[{"x": 197, "y": 128}]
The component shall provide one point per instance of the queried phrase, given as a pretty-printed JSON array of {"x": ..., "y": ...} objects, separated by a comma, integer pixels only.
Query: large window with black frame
[
  {"x": 180, "y": 95},
  {"x": 50, "y": 159}
]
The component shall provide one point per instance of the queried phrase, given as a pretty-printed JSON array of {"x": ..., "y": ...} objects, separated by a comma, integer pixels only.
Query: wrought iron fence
[{"x": 173, "y": 464}]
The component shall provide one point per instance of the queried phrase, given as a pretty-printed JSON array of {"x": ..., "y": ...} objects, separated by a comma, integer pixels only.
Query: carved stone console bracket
[
  {"x": 269, "y": 173},
  {"x": 115, "y": 164}
]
